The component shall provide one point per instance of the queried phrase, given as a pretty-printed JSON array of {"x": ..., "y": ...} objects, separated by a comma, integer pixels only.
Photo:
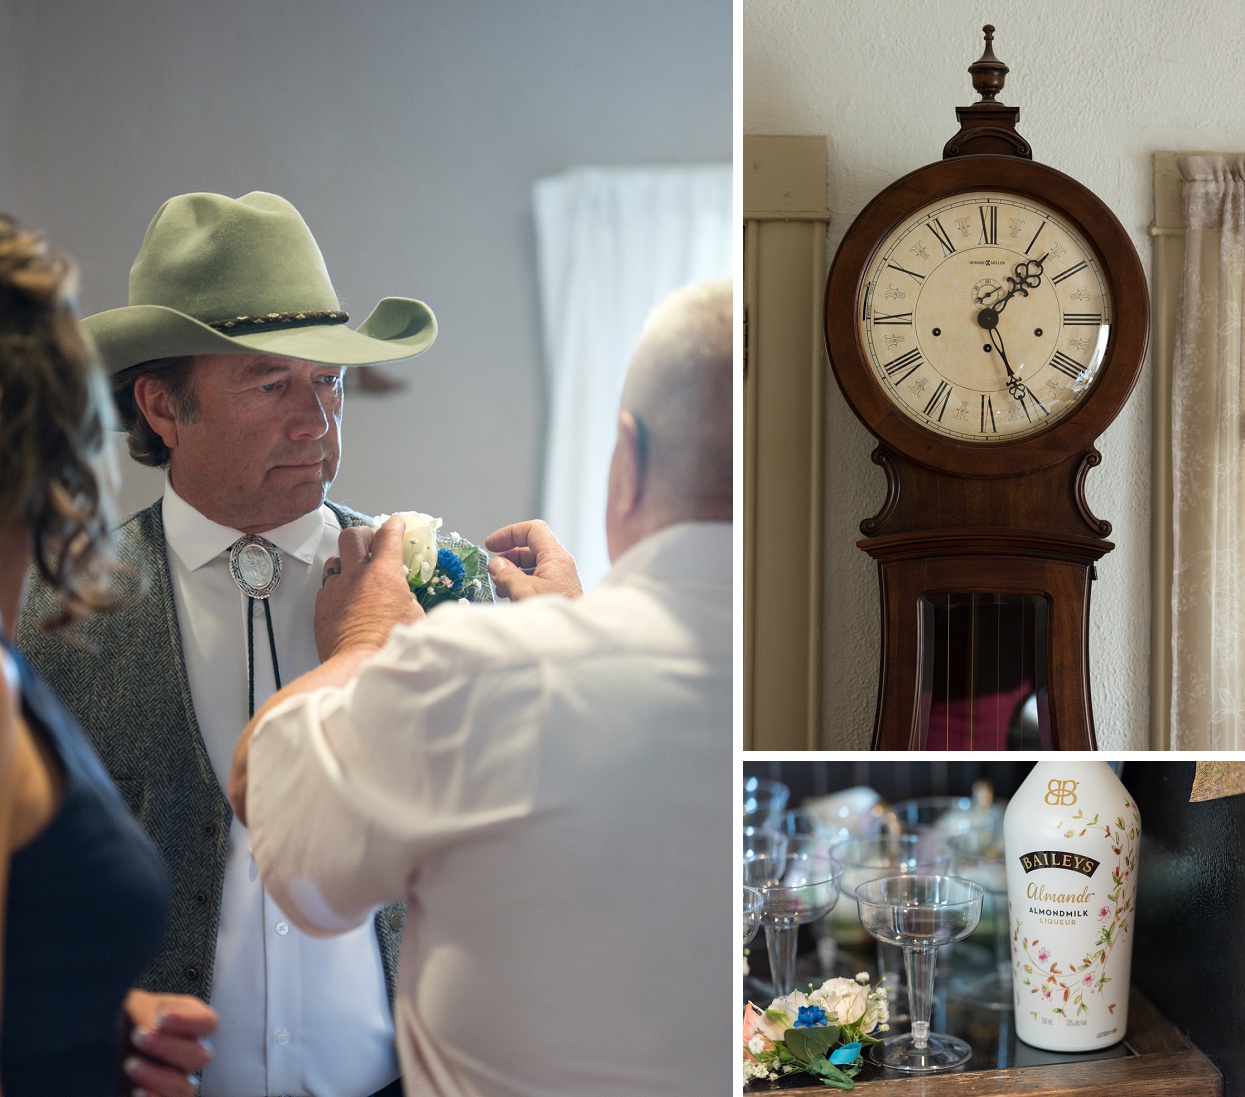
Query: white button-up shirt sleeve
[
  {"x": 550, "y": 785},
  {"x": 401, "y": 762}
]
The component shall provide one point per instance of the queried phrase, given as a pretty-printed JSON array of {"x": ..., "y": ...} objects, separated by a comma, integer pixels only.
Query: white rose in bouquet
[
  {"x": 845, "y": 998},
  {"x": 419, "y": 544}
]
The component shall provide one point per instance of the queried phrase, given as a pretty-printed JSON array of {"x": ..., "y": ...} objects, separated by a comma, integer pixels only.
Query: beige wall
[
  {"x": 1100, "y": 86},
  {"x": 408, "y": 132}
]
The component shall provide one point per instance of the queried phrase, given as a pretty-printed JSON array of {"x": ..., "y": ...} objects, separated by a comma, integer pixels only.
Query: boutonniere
[{"x": 438, "y": 569}]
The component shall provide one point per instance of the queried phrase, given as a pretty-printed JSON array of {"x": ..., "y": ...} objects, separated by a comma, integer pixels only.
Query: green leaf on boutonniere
[
  {"x": 806, "y": 1044},
  {"x": 470, "y": 557}
]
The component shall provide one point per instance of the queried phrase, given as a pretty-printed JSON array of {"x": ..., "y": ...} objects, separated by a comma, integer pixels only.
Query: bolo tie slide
[{"x": 255, "y": 565}]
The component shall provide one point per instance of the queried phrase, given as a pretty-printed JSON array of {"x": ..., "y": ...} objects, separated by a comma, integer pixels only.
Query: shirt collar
[
  {"x": 684, "y": 551},
  {"x": 197, "y": 539}
]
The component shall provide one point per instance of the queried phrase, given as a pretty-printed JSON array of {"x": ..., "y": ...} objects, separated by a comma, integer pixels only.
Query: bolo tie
[{"x": 255, "y": 565}]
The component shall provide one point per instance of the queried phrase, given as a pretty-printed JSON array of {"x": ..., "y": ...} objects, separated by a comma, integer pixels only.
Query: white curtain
[
  {"x": 1208, "y": 463},
  {"x": 611, "y": 243}
]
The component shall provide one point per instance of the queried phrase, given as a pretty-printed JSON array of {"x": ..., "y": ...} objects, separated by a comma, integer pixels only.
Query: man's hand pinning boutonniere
[{"x": 438, "y": 568}]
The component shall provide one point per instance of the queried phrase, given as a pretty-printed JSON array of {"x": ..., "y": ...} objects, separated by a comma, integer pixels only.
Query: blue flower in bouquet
[{"x": 809, "y": 1017}]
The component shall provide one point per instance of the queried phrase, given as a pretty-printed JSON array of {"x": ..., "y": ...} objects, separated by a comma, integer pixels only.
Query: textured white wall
[
  {"x": 1101, "y": 85},
  {"x": 408, "y": 133}
]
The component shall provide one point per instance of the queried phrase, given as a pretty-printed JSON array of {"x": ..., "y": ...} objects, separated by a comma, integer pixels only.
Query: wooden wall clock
[{"x": 986, "y": 318}]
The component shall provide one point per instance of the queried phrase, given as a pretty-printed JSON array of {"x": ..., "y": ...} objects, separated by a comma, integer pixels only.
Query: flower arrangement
[
  {"x": 438, "y": 569},
  {"x": 819, "y": 1033}
]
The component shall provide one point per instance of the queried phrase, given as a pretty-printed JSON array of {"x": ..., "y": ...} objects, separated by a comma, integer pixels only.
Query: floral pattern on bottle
[{"x": 1061, "y": 986}]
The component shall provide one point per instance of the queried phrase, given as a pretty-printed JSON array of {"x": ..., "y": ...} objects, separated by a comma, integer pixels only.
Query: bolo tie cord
[{"x": 250, "y": 650}]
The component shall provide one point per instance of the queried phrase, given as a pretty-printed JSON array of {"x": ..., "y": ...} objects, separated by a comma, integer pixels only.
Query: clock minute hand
[{"x": 989, "y": 319}]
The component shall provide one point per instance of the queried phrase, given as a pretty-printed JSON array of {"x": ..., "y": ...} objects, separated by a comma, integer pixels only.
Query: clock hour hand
[{"x": 1028, "y": 276}]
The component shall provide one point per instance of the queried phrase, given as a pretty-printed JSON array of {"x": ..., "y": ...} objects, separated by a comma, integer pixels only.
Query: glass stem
[
  {"x": 889, "y": 958},
  {"x": 920, "y": 964},
  {"x": 1002, "y": 939},
  {"x": 781, "y": 945}
]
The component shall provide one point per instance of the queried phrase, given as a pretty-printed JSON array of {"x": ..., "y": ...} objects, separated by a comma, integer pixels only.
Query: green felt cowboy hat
[{"x": 244, "y": 275}]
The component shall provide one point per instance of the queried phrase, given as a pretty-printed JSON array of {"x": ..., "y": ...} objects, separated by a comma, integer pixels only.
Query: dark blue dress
[{"x": 87, "y": 903}]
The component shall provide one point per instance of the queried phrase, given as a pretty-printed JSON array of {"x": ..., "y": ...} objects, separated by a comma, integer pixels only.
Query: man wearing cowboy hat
[
  {"x": 227, "y": 367},
  {"x": 548, "y": 781}
]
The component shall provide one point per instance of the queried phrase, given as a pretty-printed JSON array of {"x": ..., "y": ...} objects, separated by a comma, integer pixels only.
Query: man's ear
[
  {"x": 630, "y": 459},
  {"x": 153, "y": 401}
]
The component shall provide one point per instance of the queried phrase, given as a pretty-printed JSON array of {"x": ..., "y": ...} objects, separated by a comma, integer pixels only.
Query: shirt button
[
  {"x": 282, "y": 928},
  {"x": 283, "y": 1037}
]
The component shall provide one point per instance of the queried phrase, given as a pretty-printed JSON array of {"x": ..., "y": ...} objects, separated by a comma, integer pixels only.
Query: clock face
[{"x": 985, "y": 316}]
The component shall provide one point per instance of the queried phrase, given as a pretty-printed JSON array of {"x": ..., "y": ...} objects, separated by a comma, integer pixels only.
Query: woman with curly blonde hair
[{"x": 83, "y": 894}]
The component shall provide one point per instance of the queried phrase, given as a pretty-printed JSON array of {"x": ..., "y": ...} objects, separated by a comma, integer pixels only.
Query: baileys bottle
[{"x": 1071, "y": 835}]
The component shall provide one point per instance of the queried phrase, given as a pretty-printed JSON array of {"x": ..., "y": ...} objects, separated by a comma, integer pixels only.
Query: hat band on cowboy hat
[{"x": 223, "y": 275}]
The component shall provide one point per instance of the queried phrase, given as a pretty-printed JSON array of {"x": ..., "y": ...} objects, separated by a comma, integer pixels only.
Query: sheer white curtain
[
  {"x": 1208, "y": 463},
  {"x": 611, "y": 243}
]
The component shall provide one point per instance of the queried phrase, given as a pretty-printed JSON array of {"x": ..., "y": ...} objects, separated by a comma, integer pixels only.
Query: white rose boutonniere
[
  {"x": 419, "y": 544},
  {"x": 436, "y": 573}
]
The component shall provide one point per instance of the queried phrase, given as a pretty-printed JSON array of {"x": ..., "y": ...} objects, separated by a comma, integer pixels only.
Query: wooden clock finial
[
  {"x": 988, "y": 126},
  {"x": 988, "y": 72}
]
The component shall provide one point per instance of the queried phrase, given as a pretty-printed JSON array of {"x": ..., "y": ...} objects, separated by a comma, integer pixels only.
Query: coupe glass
[
  {"x": 763, "y": 841},
  {"x": 866, "y": 859},
  {"x": 937, "y": 818},
  {"x": 762, "y": 798},
  {"x": 803, "y": 888},
  {"x": 806, "y": 827},
  {"x": 754, "y": 900},
  {"x": 918, "y": 913},
  {"x": 978, "y": 855}
]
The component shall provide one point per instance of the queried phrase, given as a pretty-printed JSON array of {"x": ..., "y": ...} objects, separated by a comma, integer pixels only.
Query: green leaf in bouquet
[
  {"x": 831, "y": 1075},
  {"x": 806, "y": 1044}
]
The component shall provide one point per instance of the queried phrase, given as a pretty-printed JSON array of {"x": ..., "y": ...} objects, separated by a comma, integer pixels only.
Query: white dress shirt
[
  {"x": 551, "y": 786},
  {"x": 299, "y": 1015}
]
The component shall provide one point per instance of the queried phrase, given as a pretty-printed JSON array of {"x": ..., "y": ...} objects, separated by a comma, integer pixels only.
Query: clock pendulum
[{"x": 986, "y": 318}]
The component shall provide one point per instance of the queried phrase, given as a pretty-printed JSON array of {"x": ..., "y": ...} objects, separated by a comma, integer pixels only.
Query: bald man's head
[{"x": 673, "y": 460}]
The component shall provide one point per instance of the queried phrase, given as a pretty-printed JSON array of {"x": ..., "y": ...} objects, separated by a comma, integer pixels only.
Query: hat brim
[{"x": 399, "y": 328}]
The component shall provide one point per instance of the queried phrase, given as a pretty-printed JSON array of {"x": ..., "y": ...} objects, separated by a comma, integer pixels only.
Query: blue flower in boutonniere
[
  {"x": 438, "y": 569},
  {"x": 450, "y": 570}
]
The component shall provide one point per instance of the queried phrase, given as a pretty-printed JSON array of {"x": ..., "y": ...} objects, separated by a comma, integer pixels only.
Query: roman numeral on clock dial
[
  {"x": 1057, "y": 278},
  {"x": 1070, "y": 367},
  {"x": 911, "y": 362},
  {"x": 987, "y": 415},
  {"x": 938, "y": 402},
  {"x": 941, "y": 235},
  {"x": 989, "y": 224},
  {"x": 905, "y": 270},
  {"x": 1083, "y": 319}
]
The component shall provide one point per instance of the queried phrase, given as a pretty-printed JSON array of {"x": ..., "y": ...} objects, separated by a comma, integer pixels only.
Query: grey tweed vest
[{"x": 123, "y": 677}]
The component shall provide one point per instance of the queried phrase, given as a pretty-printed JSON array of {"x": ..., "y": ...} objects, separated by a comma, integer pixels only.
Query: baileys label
[{"x": 1053, "y": 858}]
